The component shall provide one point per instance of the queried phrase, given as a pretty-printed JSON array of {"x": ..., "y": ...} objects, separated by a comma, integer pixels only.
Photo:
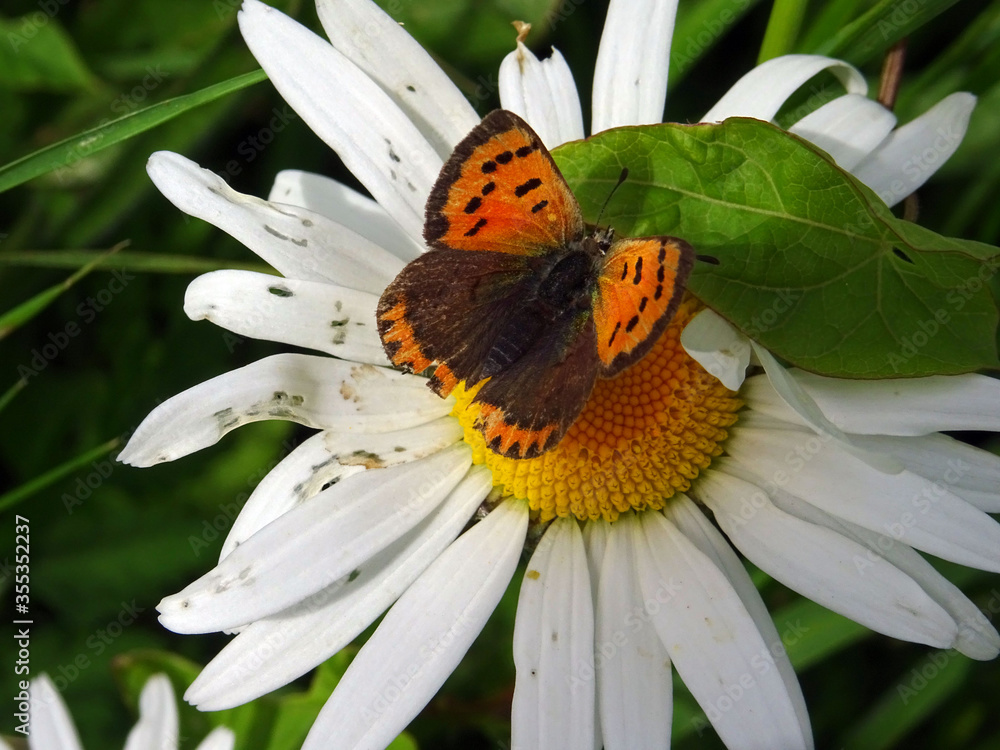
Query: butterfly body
[{"x": 515, "y": 292}]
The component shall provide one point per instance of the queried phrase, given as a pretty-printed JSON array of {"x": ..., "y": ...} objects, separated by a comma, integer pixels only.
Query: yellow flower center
[{"x": 643, "y": 435}]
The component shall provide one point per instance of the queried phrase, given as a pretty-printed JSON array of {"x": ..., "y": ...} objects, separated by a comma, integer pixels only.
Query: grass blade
[
  {"x": 33, "y": 486},
  {"x": 15, "y": 318},
  {"x": 89, "y": 142}
]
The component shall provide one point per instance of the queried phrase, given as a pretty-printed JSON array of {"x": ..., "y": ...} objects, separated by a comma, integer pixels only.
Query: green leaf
[
  {"x": 883, "y": 25},
  {"x": 39, "y": 55},
  {"x": 73, "y": 149},
  {"x": 909, "y": 702},
  {"x": 811, "y": 263},
  {"x": 297, "y": 712}
]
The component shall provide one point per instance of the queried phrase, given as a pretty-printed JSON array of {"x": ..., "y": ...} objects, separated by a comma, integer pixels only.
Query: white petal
[
  {"x": 315, "y": 544},
  {"x": 157, "y": 728},
  {"x": 565, "y": 95},
  {"x": 51, "y": 724},
  {"x": 553, "y": 703},
  {"x": 423, "y": 637},
  {"x": 976, "y": 637},
  {"x": 375, "y": 139},
  {"x": 848, "y": 128},
  {"x": 544, "y": 93},
  {"x": 219, "y": 738},
  {"x": 908, "y": 157},
  {"x": 595, "y": 539},
  {"x": 907, "y": 406},
  {"x": 325, "y": 459},
  {"x": 905, "y": 506},
  {"x": 718, "y": 347},
  {"x": 630, "y": 76},
  {"x": 346, "y": 207},
  {"x": 822, "y": 564},
  {"x": 971, "y": 473},
  {"x": 315, "y": 391},
  {"x": 761, "y": 92},
  {"x": 687, "y": 517},
  {"x": 298, "y": 243},
  {"x": 799, "y": 399},
  {"x": 712, "y": 640},
  {"x": 396, "y": 61},
  {"x": 635, "y": 689},
  {"x": 314, "y": 315},
  {"x": 274, "y": 651}
]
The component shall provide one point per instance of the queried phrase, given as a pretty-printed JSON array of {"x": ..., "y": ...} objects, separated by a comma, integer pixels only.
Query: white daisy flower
[
  {"x": 52, "y": 726},
  {"x": 829, "y": 486}
]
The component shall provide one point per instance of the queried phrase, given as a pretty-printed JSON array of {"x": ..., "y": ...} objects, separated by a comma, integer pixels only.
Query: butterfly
[{"x": 515, "y": 291}]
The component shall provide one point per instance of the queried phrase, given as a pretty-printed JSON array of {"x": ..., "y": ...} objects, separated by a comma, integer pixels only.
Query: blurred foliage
[{"x": 80, "y": 371}]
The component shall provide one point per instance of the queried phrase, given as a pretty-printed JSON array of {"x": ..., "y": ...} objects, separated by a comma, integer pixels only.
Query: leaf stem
[{"x": 892, "y": 74}]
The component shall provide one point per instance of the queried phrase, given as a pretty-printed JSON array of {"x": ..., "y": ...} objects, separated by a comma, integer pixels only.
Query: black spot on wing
[
  {"x": 473, "y": 205},
  {"x": 488, "y": 188},
  {"x": 489, "y": 167},
  {"x": 659, "y": 292},
  {"x": 475, "y": 228},
  {"x": 505, "y": 157},
  {"x": 638, "y": 270},
  {"x": 632, "y": 324},
  {"x": 642, "y": 303},
  {"x": 614, "y": 333},
  {"x": 539, "y": 206},
  {"x": 524, "y": 151},
  {"x": 526, "y": 187},
  {"x": 624, "y": 271},
  {"x": 659, "y": 274},
  {"x": 663, "y": 253}
]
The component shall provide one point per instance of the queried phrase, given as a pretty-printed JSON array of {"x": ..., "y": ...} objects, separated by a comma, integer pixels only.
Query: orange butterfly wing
[
  {"x": 501, "y": 192},
  {"x": 638, "y": 292}
]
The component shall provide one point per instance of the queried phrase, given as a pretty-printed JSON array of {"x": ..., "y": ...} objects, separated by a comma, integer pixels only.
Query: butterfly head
[{"x": 603, "y": 238}]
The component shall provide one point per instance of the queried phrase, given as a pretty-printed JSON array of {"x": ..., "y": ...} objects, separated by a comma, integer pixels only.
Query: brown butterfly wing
[
  {"x": 638, "y": 292},
  {"x": 501, "y": 192},
  {"x": 528, "y": 409},
  {"x": 446, "y": 309}
]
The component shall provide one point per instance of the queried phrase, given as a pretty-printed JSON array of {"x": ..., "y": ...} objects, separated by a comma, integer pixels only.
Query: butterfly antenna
[{"x": 621, "y": 178}]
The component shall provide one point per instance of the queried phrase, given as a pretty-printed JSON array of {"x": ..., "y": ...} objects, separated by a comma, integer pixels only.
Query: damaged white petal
[
  {"x": 316, "y": 392},
  {"x": 718, "y": 347},
  {"x": 328, "y": 318}
]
